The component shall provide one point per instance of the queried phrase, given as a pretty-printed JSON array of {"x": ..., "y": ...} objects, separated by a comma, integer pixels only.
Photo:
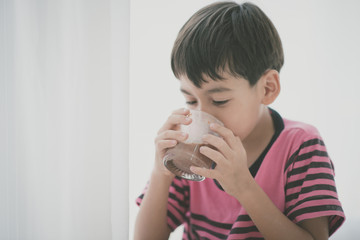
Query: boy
[{"x": 273, "y": 178}]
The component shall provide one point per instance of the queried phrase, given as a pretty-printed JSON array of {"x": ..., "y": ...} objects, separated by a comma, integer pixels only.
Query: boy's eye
[
  {"x": 191, "y": 102},
  {"x": 218, "y": 103}
]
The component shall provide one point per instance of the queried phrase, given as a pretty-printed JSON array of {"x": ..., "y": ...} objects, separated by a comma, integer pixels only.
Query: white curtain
[{"x": 63, "y": 119}]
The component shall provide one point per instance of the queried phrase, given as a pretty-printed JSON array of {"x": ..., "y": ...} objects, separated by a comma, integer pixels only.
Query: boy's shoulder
[
  {"x": 297, "y": 127},
  {"x": 287, "y": 129},
  {"x": 297, "y": 133}
]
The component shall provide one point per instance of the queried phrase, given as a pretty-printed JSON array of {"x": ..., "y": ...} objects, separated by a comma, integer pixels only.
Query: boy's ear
[{"x": 271, "y": 86}]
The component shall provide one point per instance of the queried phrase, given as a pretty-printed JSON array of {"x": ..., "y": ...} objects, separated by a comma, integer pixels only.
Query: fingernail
[{"x": 212, "y": 125}]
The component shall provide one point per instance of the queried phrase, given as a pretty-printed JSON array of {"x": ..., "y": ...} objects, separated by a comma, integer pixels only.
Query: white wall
[
  {"x": 319, "y": 83},
  {"x": 63, "y": 119}
]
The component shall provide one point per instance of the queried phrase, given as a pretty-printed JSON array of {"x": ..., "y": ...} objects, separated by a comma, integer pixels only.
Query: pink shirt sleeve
[{"x": 310, "y": 187}]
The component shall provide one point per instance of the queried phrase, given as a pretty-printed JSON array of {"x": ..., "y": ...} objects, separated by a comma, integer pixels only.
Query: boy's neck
[{"x": 260, "y": 137}]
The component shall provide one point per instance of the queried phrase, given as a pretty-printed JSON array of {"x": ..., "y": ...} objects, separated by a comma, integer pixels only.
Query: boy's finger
[
  {"x": 217, "y": 142},
  {"x": 225, "y": 133},
  {"x": 164, "y": 144},
  {"x": 173, "y": 120},
  {"x": 207, "y": 173},
  {"x": 213, "y": 154},
  {"x": 172, "y": 134},
  {"x": 183, "y": 111}
]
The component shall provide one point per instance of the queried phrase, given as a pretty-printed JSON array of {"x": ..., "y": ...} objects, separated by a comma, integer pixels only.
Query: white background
[
  {"x": 320, "y": 83},
  {"x": 63, "y": 119}
]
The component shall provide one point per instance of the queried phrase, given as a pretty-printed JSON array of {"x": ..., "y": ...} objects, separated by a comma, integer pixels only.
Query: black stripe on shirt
[
  {"x": 203, "y": 218},
  {"x": 174, "y": 197},
  {"x": 314, "y": 209},
  {"x": 305, "y": 168},
  {"x": 311, "y": 154},
  {"x": 216, "y": 234},
  {"x": 308, "y": 143},
  {"x": 173, "y": 218},
  {"x": 312, "y": 188},
  {"x": 243, "y": 230},
  {"x": 243, "y": 218},
  {"x": 181, "y": 189},
  {"x": 313, "y": 198},
  {"x": 182, "y": 213},
  {"x": 337, "y": 222},
  {"x": 308, "y": 177}
]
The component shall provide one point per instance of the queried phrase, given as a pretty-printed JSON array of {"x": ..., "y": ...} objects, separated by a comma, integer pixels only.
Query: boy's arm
[
  {"x": 273, "y": 224},
  {"x": 318, "y": 227},
  {"x": 151, "y": 222}
]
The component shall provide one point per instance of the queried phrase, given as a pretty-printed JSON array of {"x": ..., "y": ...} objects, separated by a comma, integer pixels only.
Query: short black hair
[{"x": 227, "y": 36}]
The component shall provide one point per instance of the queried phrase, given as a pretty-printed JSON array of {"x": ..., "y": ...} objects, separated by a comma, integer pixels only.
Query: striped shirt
[{"x": 294, "y": 170}]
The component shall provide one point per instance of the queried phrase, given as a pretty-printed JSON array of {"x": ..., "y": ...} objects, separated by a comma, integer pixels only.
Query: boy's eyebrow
[
  {"x": 186, "y": 92},
  {"x": 210, "y": 91},
  {"x": 218, "y": 89}
]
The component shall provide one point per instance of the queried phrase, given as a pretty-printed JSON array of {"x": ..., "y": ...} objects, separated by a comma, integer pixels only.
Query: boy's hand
[
  {"x": 168, "y": 136},
  {"x": 231, "y": 161}
]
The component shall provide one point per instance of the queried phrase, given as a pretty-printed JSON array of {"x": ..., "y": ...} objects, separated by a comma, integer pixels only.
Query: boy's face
[{"x": 231, "y": 100}]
